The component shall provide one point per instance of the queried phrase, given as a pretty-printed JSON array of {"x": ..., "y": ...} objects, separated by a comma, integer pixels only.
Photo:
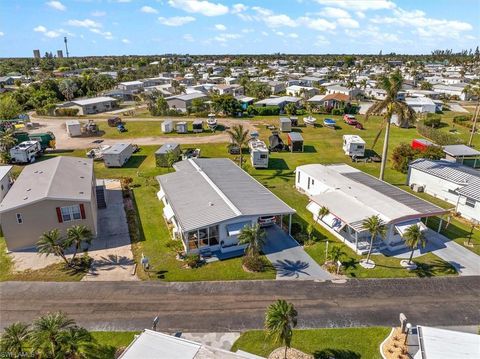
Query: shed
[
  {"x": 161, "y": 155},
  {"x": 285, "y": 124},
  {"x": 167, "y": 126},
  {"x": 74, "y": 129},
  {"x": 294, "y": 120},
  {"x": 197, "y": 126},
  {"x": 117, "y": 155},
  {"x": 421, "y": 144},
  {"x": 275, "y": 143},
  {"x": 181, "y": 127},
  {"x": 295, "y": 142}
]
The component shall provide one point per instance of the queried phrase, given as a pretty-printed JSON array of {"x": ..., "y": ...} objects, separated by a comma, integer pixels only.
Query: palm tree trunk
[
  {"x": 475, "y": 117},
  {"x": 385, "y": 150},
  {"x": 371, "y": 246},
  {"x": 286, "y": 348},
  {"x": 411, "y": 256}
]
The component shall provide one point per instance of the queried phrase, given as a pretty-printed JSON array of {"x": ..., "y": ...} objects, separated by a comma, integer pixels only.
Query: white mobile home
[
  {"x": 352, "y": 196},
  {"x": 449, "y": 181},
  {"x": 117, "y": 155},
  {"x": 209, "y": 201},
  {"x": 258, "y": 154},
  {"x": 353, "y": 145}
]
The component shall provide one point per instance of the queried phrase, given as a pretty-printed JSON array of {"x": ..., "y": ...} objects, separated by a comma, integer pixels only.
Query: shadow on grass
[
  {"x": 278, "y": 164},
  {"x": 141, "y": 234},
  {"x": 278, "y": 174},
  {"x": 135, "y": 161},
  {"x": 100, "y": 351},
  {"x": 336, "y": 353},
  {"x": 309, "y": 149},
  {"x": 436, "y": 267}
]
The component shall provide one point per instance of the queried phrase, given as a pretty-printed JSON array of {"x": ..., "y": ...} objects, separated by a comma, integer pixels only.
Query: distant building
[
  {"x": 60, "y": 54},
  {"x": 90, "y": 106},
  {"x": 36, "y": 54}
]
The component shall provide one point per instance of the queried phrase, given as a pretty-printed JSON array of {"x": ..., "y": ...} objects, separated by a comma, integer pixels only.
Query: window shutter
[
  {"x": 59, "y": 215},
  {"x": 82, "y": 211}
]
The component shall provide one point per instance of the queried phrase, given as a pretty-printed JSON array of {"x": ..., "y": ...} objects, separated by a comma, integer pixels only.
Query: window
[
  {"x": 470, "y": 202},
  {"x": 313, "y": 181},
  {"x": 19, "y": 218},
  {"x": 70, "y": 213},
  {"x": 298, "y": 177},
  {"x": 308, "y": 186}
]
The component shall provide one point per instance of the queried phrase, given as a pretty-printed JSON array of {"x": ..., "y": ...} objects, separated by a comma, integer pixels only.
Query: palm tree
[
  {"x": 474, "y": 90},
  {"x": 254, "y": 238},
  {"x": 76, "y": 235},
  {"x": 7, "y": 141},
  {"x": 280, "y": 319},
  {"x": 76, "y": 342},
  {"x": 392, "y": 106},
  {"x": 322, "y": 212},
  {"x": 414, "y": 237},
  {"x": 51, "y": 242},
  {"x": 48, "y": 334},
  {"x": 336, "y": 253},
  {"x": 375, "y": 226},
  {"x": 14, "y": 340},
  {"x": 68, "y": 88},
  {"x": 239, "y": 138}
]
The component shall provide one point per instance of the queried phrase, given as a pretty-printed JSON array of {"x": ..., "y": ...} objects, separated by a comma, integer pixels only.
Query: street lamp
[
  {"x": 155, "y": 322},
  {"x": 409, "y": 326}
]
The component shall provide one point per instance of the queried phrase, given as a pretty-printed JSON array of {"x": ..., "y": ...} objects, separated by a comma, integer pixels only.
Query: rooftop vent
[{"x": 210, "y": 204}]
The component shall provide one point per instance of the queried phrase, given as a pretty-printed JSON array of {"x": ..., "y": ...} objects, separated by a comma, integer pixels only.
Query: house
[
  {"x": 223, "y": 89},
  {"x": 334, "y": 100},
  {"x": 296, "y": 90},
  {"x": 280, "y": 102},
  {"x": 184, "y": 102},
  {"x": 90, "y": 106},
  {"x": 209, "y": 201},
  {"x": 353, "y": 196},
  {"x": 7, "y": 80},
  {"x": 316, "y": 100},
  {"x": 153, "y": 345},
  {"x": 276, "y": 86},
  {"x": 245, "y": 101},
  {"x": 337, "y": 89},
  {"x": 421, "y": 104},
  {"x": 5, "y": 180},
  {"x": 462, "y": 154},
  {"x": 449, "y": 181},
  {"x": 135, "y": 86},
  {"x": 452, "y": 90},
  {"x": 55, "y": 193}
]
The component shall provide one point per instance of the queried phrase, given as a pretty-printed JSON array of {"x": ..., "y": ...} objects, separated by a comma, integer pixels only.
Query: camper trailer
[
  {"x": 353, "y": 146},
  {"x": 25, "y": 152},
  {"x": 117, "y": 155},
  {"x": 181, "y": 127},
  {"x": 275, "y": 143},
  {"x": 167, "y": 126},
  {"x": 197, "y": 126},
  {"x": 162, "y": 154},
  {"x": 258, "y": 154},
  {"x": 295, "y": 142},
  {"x": 74, "y": 128},
  {"x": 285, "y": 124}
]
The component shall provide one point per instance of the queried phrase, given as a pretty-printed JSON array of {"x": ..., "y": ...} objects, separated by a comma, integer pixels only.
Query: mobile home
[
  {"x": 353, "y": 145},
  {"x": 117, "y": 155},
  {"x": 258, "y": 154}
]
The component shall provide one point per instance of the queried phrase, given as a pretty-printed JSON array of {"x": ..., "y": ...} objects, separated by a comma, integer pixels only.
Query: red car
[{"x": 350, "y": 119}]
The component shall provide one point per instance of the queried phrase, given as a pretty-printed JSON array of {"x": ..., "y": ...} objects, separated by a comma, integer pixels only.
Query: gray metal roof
[
  {"x": 204, "y": 192},
  {"x": 295, "y": 136},
  {"x": 447, "y": 170},
  {"x": 460, "y": 150},
  {"x": 393, "y": 192},
  {"x": 167, "y": 147},
  {"x": 93, "y": 100},
  {"x": 472, "y": 190},
  {"x": 116, "y": 148},
  {"x": 59, "y": 178}
]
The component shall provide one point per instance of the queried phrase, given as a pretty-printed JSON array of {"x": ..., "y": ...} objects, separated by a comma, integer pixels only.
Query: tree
[
  {"x": 254, "y": 238},
  {"x": 280, "y": 319},
  {"x": 9, "y": 108},
  {"x": 239, "y": 138},
  {"x": 403, "y": 154},
  {"x": 290, "y": 109},
  {"x": 392, "y": 106},
  {"x": 258, "y": 90},
  {"x": 51, "y": 242},
  {"x": 76, "y": 235},
  {"x": 322, "y": 212},
  {"x": 473, "y": 90},
  {"x": 14, "y": 340},
  {"x": 227, "y": 104},
  {"x": 68, "y": 88},
  {"x": 414, "y": 238},
  {"x": 48, "y": 338},
  {"x": 7, "y": 141},
  {"x": 336, "y": 253},
  {"x": 426, "y": 86},
  {"x": 375, "y": 226},
  {"x": 76, "y": 342}
]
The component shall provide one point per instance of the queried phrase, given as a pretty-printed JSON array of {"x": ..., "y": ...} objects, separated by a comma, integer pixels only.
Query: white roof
[
  {"x": 274, "y": 101},
  {"x": 127, "y": 83},
  {"x": 4, "y": 171},
  {"x": 72, "y": 122},
  {"x": 316, "y": 98},
  {"x": 354, "y": 138},
  {"x": 93, "y": 100},
  {"x": 441, "y": 343},
  {"x": 116, "y": 148},
  {"x": 416, "y": 101}
]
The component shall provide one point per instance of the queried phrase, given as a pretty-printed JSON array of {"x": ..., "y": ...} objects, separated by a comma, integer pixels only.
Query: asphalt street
[{"x": 235, "y": 306}]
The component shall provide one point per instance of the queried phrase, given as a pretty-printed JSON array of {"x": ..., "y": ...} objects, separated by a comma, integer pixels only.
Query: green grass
[
  {"x": 107, "y": 343},
  {"x": 344, "y": 343}
]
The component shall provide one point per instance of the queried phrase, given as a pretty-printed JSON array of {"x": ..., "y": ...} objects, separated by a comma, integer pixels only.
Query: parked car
[
  {"x": 350, "y": 120},
  {"x": 114, "y": 121},
  {"x": 266, "y": 221}
]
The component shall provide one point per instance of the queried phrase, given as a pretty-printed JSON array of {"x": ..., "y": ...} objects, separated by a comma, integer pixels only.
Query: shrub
[
  {"x": 439, "y": 137},
  {"x": 175, "y": 245},
  {"x": 337, "y": 111},
  {"x": 296, "y": 228},
  {"x": 265, "y": 111},
  {"x": 433, "y": 121},
  {"x": 403, "y": 154},
  {"x": 462, "y": 120},
  {"x": 351, "y": 109},
  {"x": 193, "y": 260},
  {"x": 254, "y": 263},
  {"x": 69, "y": 112}
]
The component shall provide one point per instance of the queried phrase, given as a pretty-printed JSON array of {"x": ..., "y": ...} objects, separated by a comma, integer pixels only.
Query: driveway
[{"x": 289, "y": 259}]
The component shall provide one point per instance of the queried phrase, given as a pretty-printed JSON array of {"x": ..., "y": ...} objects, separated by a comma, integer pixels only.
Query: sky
[{"x": 149, "y": 27}]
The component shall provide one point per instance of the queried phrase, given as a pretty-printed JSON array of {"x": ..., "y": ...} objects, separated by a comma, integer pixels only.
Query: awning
[
  {"x": 234, "y": 229},
  {"x": 168, "y": 213},
  {"x": 402, "y": 227},
  {"x": 160, "y": 194}
]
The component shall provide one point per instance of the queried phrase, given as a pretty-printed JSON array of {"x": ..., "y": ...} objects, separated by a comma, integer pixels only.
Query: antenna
[{"x": 66, "y": 47}]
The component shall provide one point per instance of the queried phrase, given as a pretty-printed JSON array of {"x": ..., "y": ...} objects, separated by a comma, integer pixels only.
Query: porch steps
[{"x": 100, "y": 193}]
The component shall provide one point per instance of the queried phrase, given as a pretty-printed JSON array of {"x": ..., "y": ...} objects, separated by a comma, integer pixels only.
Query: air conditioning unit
[{"x": 417, "y": 188}]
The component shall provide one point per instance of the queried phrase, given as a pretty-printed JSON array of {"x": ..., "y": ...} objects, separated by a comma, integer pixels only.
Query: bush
[
  {"x": 462, "y": 120},
  {"x": 193, "y": 260},
  {"x": 337, "y": 112},
  {"x": 351, "y": 109},
  {"x": 254, "y": 263},
  {"x": 433, "y": 121},
  {"x": 264, "y": 111},
  {"x": 70, "y": 112},
  {"x": 439, "y": 137},
  {"x": 296, "y": 228},
  {"x": 403, "y": 154}
]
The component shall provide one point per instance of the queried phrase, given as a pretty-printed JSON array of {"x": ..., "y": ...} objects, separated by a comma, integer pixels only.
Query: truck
[
  {"x": 25, "y": 152},
  {"x": 46, "y": 139}
]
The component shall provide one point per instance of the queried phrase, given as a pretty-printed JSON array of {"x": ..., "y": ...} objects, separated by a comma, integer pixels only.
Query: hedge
[{"x": 66, "y": 111}]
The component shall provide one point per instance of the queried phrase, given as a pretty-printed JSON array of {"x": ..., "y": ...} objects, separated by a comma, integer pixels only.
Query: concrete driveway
[{"x": 289, "y": 259}]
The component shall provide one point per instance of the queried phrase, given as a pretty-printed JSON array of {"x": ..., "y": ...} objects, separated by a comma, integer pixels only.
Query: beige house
[
  {"x": 91, "y": 106},
  {"x": 56, "y": 193}
]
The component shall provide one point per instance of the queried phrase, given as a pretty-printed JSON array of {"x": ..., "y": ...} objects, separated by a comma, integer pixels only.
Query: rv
[
  {"x": 117, "y": 155},
  {"x": 25, "y": 152},
  {"x": 353, "y": 146},
  {"x": 258, "y": 154}
]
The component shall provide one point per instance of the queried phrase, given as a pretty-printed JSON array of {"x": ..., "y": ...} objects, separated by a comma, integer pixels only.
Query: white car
[{"x": 266, "y": 221}]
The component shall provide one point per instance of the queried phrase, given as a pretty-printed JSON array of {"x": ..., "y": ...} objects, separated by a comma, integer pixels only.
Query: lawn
[
  {"x": 341, "y": 343},
  {"x": 107, "y": 343},
  {"x": 322, "y": 145}
]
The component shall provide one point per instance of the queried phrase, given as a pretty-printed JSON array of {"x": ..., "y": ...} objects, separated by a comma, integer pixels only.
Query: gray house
[
  {"x": 56, "y": 193},
  {"x": 183, "y": 102},
  {"x": 90, "y": 106}
]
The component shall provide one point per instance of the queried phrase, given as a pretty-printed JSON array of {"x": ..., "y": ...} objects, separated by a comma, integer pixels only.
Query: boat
[
  {"x": 310, "y": 120},
  {"x": 97, "y": 153},
  {"x": 329, "y": 122},
  {"x": 212, "y": 121}
]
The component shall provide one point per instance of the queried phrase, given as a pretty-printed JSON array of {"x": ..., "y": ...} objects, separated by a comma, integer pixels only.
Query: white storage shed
[
  {"x": 117, "y": 155},
  {"x": 74, "y": 129}
]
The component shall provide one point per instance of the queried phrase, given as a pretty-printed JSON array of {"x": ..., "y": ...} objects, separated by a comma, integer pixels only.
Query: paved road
[
  {"x": 290, "y": 259},
  {"x": 236, "y": 306}
]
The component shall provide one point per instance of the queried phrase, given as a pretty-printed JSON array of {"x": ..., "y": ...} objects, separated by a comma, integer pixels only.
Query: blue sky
[{"x": 122, "y": 27}]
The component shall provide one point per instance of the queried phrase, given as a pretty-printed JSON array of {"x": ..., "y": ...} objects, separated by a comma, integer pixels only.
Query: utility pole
[{"x": 66, "y": 47}]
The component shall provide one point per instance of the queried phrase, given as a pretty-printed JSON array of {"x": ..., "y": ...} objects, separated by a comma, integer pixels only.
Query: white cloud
[
  {"x": 360, "y": 14},
  {"x": 317, "y": 24},
  {"x": 374, "y": 34},
  {"x": 176, "y": 20},
  {"x": 148, "y": 10},
  {"x": 126, "y": 41},
  {"x": 293, "y": 35},
  {"x": 203, "y": 7},
  {"x": 279, "y": 33},
  {"x": 188, "y": 37},
  {"x": 84, "y": 23},
  {"x": 57, "y": 5},
  {"x": 40, "y": 28},
  {"x": 360, "y": 5},
  {"x": 350, "y": 23},
  {"x": 52, "y": 34},
  {"x": 123, "y": 1},
  {"x": 220, "y": 27},
  {"x": 321, "y": 40},
  {"x": 98, "y": 13},
  {"x": 106, "y": 34},
  {"x": 334, "y": 12},
  {"x": 238, "y": 8},
  {"x": 226, "y": 37},
  {"x": 247, "y": 31},
  {"x": 264, "y": 33},
  {"x": 49, "y": 33},
  {"x": 2, "y": 33},
  {"x": 273, "y": 20}
]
